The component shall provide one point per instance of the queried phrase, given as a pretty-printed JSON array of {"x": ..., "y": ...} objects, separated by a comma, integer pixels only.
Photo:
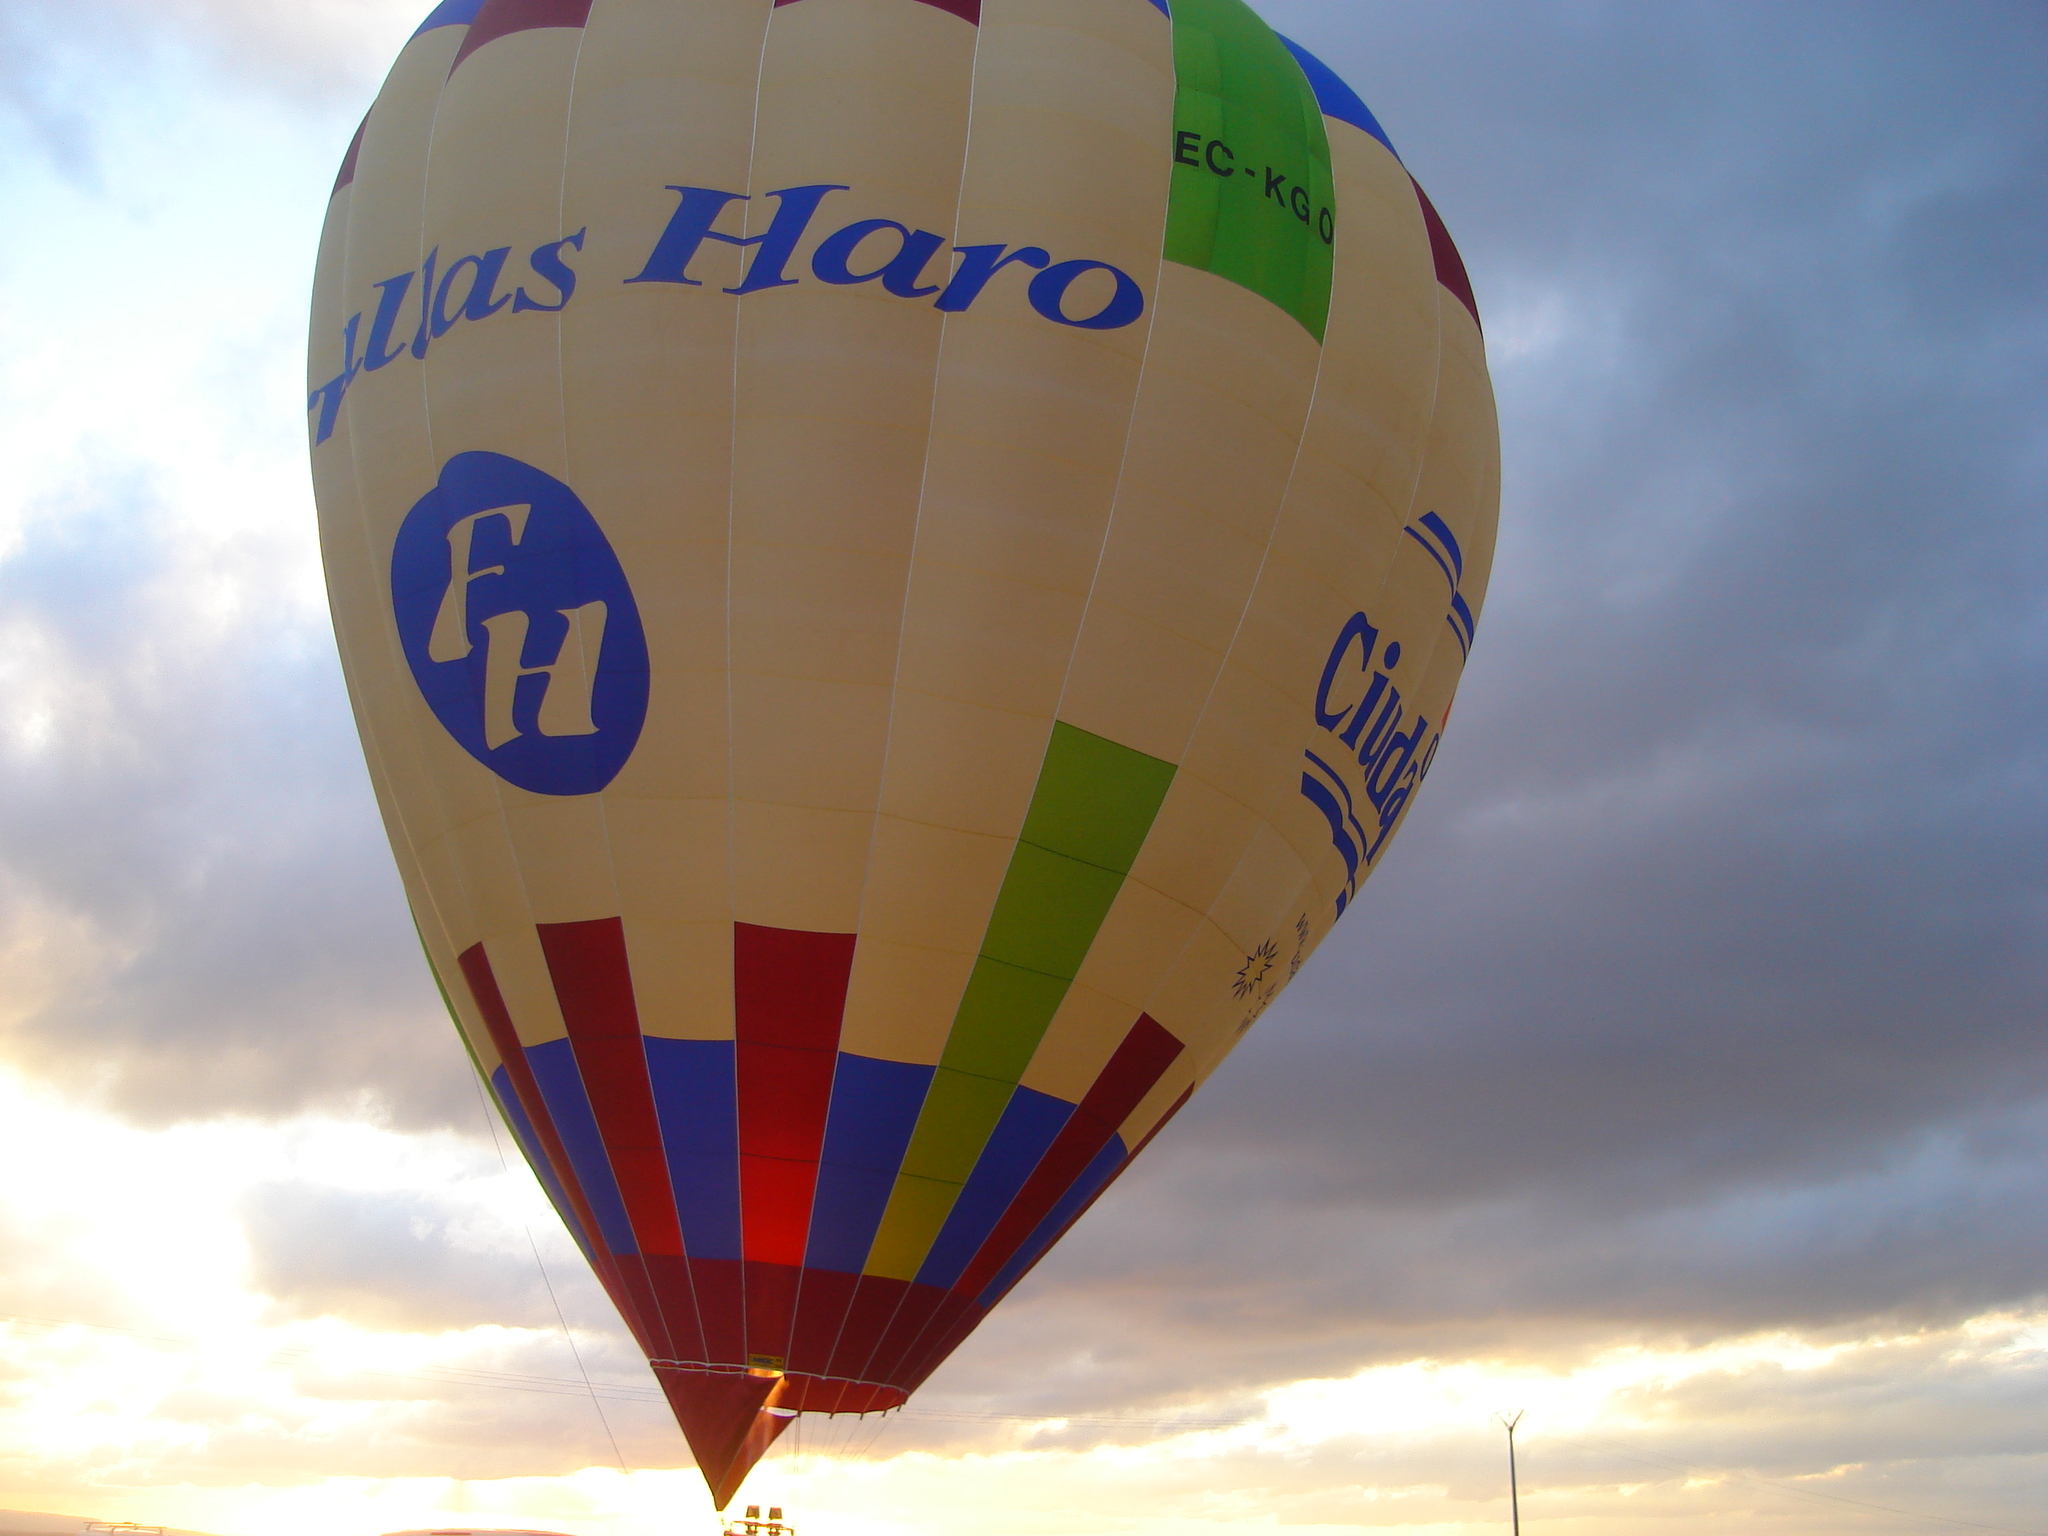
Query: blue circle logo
[{"x": 519, "y": 626}]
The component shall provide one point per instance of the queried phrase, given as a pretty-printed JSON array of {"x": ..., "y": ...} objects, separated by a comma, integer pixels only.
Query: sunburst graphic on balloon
[{"x": 1258, "y": 965}]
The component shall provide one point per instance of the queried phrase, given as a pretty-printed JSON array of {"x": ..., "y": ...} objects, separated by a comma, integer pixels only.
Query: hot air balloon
[{"x": 897, "y": 563}]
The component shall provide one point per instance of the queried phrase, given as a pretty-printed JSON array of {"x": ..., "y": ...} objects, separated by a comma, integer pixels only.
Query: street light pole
[{"x": 1514, "y": 1492}]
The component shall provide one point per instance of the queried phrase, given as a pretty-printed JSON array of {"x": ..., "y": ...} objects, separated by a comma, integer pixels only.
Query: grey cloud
[
  {"x": 414, "y": 1263},
  {"x": 197, "y": 821},
  {"x": 320, "y": 54},
  {"x": 191, "y": 870}
]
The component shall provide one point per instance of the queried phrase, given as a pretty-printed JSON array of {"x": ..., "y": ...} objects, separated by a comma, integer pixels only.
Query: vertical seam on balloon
[
  {"x": 1209, "y": 1058},
  {"x": 373, "y": 747},
  {"x": 1407, "y": 510},
  {"x": 419, "y": 254},
  {"x": 1435, "y": 388},
  {"x": 1080, "y": 622},
  {"x": 1102, "y": 548},
  {"x": 1272, "y": 533},
  {"x": 1435, "y": 637},
  {"x": 896, "y": 672},
  {"x": 1108, "y": 526},
  {"x": 1129, "y": 1157},
  {"x": 363, "y": 519},
  {"x": 1195, "y": 1059},
  {"x": 1308, "y": 416},
  {"x": 497, "y": 787},
  {"x": 362, "y": 515},
  {"x": 1442, "y": 294},
  {"x": 1124, "y": 459},
  {"x": 1237, "y": 631},
  {"x": 731, "y": 496},
  {"x": 1116, "y": 492},
  {"x": 1134, "y": 1069},
  {"x": 604, "y": 820},
  {"x": 427, "y": 405},
  {"x": 496, "y": 784},
  {"x": 1075, "y": 1127}
]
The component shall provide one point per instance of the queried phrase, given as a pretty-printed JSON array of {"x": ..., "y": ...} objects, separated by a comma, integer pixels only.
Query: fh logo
[{"x": 519, "y": 626}]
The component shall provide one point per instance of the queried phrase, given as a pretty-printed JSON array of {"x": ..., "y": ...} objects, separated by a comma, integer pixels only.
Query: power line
[
  {"x": 620, "y": 1391},
  {"x": 454, "y": 1375},
  {"x": 1069, "y": 1418},
  {"x": 617, "y": 1391},
  {"x": 555, "y": 1301}
]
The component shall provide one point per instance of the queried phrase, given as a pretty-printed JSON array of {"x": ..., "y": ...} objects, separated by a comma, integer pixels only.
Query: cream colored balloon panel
[
  {"x": 491, "y": 370},
  {"x": 834, "y": 400},
  {"x": 360, "y": 451},
  {"x": 1028, "y": 431},
  {"x": 376, "y": 449},
  {"x": 384, "y": 428},
  {"x": 663, "y": 95},
  {"x": 1179, "y": 553},
  {"x": 1227, "y": 385},
  {"x": 1239, "y": 762},
  {"x": 333, "y": 353}
]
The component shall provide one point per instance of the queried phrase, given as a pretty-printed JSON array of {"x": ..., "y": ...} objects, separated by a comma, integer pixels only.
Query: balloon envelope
[{"x": 897, "y": 562}]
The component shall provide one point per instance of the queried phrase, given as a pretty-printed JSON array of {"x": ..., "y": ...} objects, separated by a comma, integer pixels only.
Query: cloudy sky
[{"x": 1681, "y": 1079}]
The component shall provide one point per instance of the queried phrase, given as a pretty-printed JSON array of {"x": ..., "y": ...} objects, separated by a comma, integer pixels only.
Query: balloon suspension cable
[
  {"x": 568, "y": 1337},
  {"x": 843, "y": 1438}
]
